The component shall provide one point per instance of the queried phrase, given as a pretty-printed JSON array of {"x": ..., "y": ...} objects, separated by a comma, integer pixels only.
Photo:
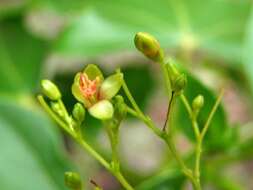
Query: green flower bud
[
  {"x": 198, "y": 102},
  {"x": 73, "y": 180},
  {"x": 50, "y": 90},
  {"x": 56, "y": 107},
  {"x": 120, "y": 108},
  {"x": 149, "y": 46},
  {"x": 180, "y": 83},
  {"x": 102, "y": 110},
  {"x": 78, "y": 112},
  {"x": 111, "y": 86},
  {"x": 172, "y": 71}
]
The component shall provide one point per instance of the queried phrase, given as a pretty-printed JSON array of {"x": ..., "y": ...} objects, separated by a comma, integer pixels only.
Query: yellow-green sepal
[
  {"x": 93, "y": 71},
  {"x": 111, "y": 86},
  {"x": 102, "y": 110}
]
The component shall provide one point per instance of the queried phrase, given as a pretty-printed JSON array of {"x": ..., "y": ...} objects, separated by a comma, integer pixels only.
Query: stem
[
  {"x": 191, "y": 115},
  {"x": 186, "y": 104},
  {"x": 210, "y": 117},
  {"x": 131, "y": 99},
  {"x": 93, "y": 153},
  {"x": 166, "y": 78},
  {"x": 112, "y": 132},
  {"x": 123, "y": 181},
  {"x": 200, "y": 138},
  {"x": 197, "y": 161},
  {"x": 168, "y": 111},
  {"x": 139, "y": 114},
  {"x": 85, "y": 145},
  {"x": 61, "y": 123},
  {"x": 187, "y": 172}
]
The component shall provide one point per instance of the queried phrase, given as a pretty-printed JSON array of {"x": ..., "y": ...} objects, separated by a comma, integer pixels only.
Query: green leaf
[
  {"x": 32, "y": 156},
  {"x": 219, "y": 135},
  {"x": 21, "y": 56},
  {"x": 169, "y": 179},
  {"x": 214, "y": 26},
  {"x": 11, "y": 8},
  {"x": 248, "y": 57}
]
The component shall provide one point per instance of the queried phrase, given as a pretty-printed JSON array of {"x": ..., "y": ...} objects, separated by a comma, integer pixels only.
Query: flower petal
[
  {"x": 77, "y": 92},
  {"x": 102, "y": 110},
  {"x": 111, "y": 86},
  {"x": 93, "y": 71}
]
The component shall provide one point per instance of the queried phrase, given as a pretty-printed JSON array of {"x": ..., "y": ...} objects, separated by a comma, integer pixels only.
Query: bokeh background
[{"x": 212, "y": 40}]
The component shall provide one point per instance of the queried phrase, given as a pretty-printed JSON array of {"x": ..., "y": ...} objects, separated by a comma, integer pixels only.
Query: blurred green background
[{"x": 212, "y": 40}]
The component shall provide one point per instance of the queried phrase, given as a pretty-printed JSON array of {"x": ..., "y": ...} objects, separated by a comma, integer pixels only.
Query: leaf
[
  {"x": 21, "y": 56},
  {"x": 219, "y": 135},
  {"x": 170, "y": 179},
  {"x": 248, "y": 57},
  {"x": 215, "y": 26},
  {"x": 11, "y": 8},
  {"x": 32, "y": 156}
]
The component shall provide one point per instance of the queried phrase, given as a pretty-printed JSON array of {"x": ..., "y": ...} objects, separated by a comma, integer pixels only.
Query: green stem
[
  {"x": 93, "y": 153},
  {"x": 168, "y": 112},
  {"x": 200, "y": 138},
  {"x": 187, "y": 172},
  {"x": 85, "y": 145},
  {"x": 123, "y": 181},
  {"x": 186, "y": 104},
  {"x": 139, "y": 114},
  {"x": 61, "y": 123},
  {"x": 191, "y": 115},
  {"x": 210, "y": 117},
  {"x": 166, "y": 78}
]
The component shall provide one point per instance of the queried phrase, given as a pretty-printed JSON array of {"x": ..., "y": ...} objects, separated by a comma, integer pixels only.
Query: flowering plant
[{"x": 99, "y": 97}]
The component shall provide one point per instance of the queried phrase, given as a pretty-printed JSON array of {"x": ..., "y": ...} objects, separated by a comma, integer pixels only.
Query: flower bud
[
  {"x": 56, "y": 107},
  {"x": 50, "y": 90},
  {"x": 120, "y": 108},
  {"x": 73, "y": 180},
  {"x": 149, "y": 46},
  {"x": 172, "y": 71},
  {"x": 78, "y": 112},
  {"x": 198, "y": 102},
  {"x": 180, "y": 83}
]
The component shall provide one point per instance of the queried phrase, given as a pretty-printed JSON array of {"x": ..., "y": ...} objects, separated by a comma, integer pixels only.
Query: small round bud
[
  {"x": 50, "y": 90},
  {"x": 78, "y": 112},
  {"x": 73, "y": 180},
  {"x": 56, "y": 107},
  {"x": 198, "y": 102},
  {"x": 120, "y": 107},
  {"x": 180, "y": 83},
  {"x": 148, "y": 45}
]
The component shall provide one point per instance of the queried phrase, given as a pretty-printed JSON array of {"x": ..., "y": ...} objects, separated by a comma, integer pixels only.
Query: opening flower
[{"x": 95, "y": 92}]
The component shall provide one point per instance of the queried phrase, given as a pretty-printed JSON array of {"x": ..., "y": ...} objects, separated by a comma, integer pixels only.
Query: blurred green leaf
[
  {"x": 31, "y": 155},
  {"x": 9, "y": 8},
  {"x": 219, "y": 135},
  {"x": 215, "y": 26},
  {"x": 248, "y": 57},
  {"x": 170, "y": 179},
  {"x": 61, "y": 6},
  {"x": 21, "y": 56}
]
